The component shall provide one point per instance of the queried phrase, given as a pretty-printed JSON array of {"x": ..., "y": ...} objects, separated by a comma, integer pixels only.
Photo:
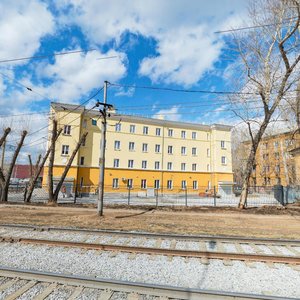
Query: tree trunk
[
  {"x": 5, "y": 186},
  {"x": 61, "y": 181},
  {"x": 51, "y": 162},
  {"x": 5, "y": 134},
  {"x": 37, "y": 171}
]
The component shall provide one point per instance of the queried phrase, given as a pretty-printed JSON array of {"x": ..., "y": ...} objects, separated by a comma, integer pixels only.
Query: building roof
[{"x": 138, "y": 119}]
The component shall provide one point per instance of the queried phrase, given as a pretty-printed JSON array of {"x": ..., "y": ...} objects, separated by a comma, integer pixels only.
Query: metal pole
[
  {"x": 102, "y": 155},
  {"x": 215, "y": 196},
  {"x": 3, "y": 153},
  {"x": 156, "y": 197},
  {"x": 129, "y": 195},
  {"x": 186, "y": 196}
]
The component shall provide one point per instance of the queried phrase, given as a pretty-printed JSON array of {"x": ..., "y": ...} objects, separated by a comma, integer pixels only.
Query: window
[
  {"x": 183, "y": 134},
  {"x": 143, "y": 184},
  {"x": 144, "y": 164},
  {"x": 156, "y": 165},
  {"x": 194, "y": 167},
  {"x": 117, "y": 145},
  {"x": 183, "y": 166},
  {"x": 194, "y": 151},
  {"x": 118, "y": 127},
  {"x": 169, "y": 166},
  {"x": 183, "y": 184},
  {"x": 145, "y": 147},
  {"x": 132, "y": 128},
  {"x": 170, "y": 132},
  {"x": 183, "y": 150},
  {"x": 208, "y": 167},
  {"x": 84, "y": 123},
  {"x": 131, "y": 146},
  {"x": 223, "y": 144},
  {"x": 169, "y": 184},
  {"x": 82, "y": 160},
  {"x": 195, "y": 185},
  {"x": 208, "y": 152},
  {"x": 157, "y": 148},
  {"x": 94, "y": 122},
  {"x": 67, "y": 129},
  {"x": 115, "y": 184},
  {"x": 277, "y": 168},
  {"x": 223, "y": 160},
  {"x": 170, "y": 149},
  {"x": 157, "y": 131},
  {"x": 130, "y": 183},
  {"x": 145, "y": 130},
  {"x": 65, "y": 150},
  {"x": 276, "y": 144},
  {"x": 130, "y": 163},
  {"x": 156, "y": 184},
  {"x": 116, "y": 163},
  {"x": 194, "y": 135}
]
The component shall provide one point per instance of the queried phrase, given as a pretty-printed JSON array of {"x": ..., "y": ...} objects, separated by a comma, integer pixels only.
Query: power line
[
  {"x": 25, "y": 114},
  {"x": 181, "y": 90},
  {"x": 255, "y": 26},
  {"x": 45, "y": 56}
]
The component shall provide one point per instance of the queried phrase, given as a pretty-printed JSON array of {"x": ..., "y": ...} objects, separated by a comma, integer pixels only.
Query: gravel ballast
[{"x": 280, "y": 281}]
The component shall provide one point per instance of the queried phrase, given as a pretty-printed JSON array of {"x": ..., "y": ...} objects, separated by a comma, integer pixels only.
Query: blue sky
[{"x": 166, "y": 43}]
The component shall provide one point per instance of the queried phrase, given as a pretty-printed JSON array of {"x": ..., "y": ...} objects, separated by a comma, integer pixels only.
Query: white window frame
[
  {"x": 130, "y": 163},
  {"x": 116, "y": 162},
  {"x": 132, "y": 128},
  {"x": 223, "y": 145},
  {"x": 183, "y": 184},
  {"x": 145, "y": 130},
  {"x": 183, "y": 134},
  {"x": 143, "y": 183},
  {"x": 195, "y": 185},
  {"x": 169, "y": 166},
  {"x": 170, "y": 184},
  {"x": 183, "y": 150},
  {"x": 131, "y": 146},
  {"x": 223, "y": 160},
  {"x": 158, "y": 131},
  {"x": 117, "y": 145},
  {"x": 144, "y": 147},
  {"x": 194, "y": 167},
  {"x": 82, "y": 160},
  {"x": 115, "y": 183},
  {"x": 156, "y": 184},
  {"x": 157, "y": 147},
  {"x": 194, "y": 151},
  {"x": 118, "y": 127},
  {"x": 130, "y": 183},
  {"x": 170, "y": 149},
  {"x": 208, "y": 152},
  {"x": 170, "y": 132},
  {"x": 65, "y": 149},
  {"x": 144, "y": 164},
  {"x": 194, "y": 135},
  {"x": 156, "y": 165},
  {"x": 67, "y": 129},
  {"x": 183, "y": 167}
]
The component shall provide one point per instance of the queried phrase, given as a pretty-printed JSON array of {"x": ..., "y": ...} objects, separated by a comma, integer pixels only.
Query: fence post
[
  {"x": 156, "y": 196},
  {"x": 215, "y": 196},
  {"x": 129, "y": 195},
  {"x": 186, "y": 196},
  {"x": 75, "y": 194}
]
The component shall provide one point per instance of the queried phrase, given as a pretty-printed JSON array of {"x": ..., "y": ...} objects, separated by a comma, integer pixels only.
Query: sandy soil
[{"x": 251, "y": 223}]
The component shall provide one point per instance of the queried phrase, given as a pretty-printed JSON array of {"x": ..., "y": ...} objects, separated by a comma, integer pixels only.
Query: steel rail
[
  {"x": 129, "y": 287},
  {"x": 159, "y": 251},
  {"x": 158, "y": 235}
]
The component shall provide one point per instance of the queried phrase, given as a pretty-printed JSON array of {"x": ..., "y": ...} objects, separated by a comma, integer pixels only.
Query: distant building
[
  {"x": 277, "y": 160},
  {"x": 22, "y": 171},
  {"x": 143, "y": 152}
]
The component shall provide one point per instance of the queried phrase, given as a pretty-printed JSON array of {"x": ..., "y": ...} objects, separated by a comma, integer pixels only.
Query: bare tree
[
  {"x": 269, "y": 56},
  {"x": 66, "y": 170},
  {"x": 5, "y": 179}
]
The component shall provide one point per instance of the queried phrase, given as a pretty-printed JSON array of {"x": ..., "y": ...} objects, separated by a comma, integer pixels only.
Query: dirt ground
[{"x": 263, "y": 222}]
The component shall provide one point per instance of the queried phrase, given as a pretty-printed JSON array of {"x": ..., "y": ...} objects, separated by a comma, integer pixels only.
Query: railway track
[
  {"x": 203, "y": 247},
  {"x": 27, "y": 284}
]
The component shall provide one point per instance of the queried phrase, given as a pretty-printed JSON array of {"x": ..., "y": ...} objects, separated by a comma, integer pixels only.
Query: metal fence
[{"x": 174, "y": 196}]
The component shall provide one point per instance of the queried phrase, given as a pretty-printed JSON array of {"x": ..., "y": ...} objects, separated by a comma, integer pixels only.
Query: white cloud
[
  {"x": 22, "y": 25},
  {"x": 186, "y": 45},
  {"x": 171, "y": 114},
  {"x": 123, "y": 92}
]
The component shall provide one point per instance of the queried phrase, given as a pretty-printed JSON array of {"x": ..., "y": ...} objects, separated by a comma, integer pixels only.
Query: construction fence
[{"x": 173, "y": 196}]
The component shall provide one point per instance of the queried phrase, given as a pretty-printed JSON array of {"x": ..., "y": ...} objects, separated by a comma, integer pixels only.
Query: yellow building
[{"x": 143, "y": 152}]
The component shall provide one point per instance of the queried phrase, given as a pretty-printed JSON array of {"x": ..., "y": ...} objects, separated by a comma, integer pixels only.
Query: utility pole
[
  {"x": 3, "y": 154},
  {"x": 103, "y": 112}
]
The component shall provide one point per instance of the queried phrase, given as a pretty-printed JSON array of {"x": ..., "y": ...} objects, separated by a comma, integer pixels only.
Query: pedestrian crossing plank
[
  {"x": 131, "y": 255},
  {"x": 113, "y": 240},
  {"x": 173, "y": 244},
  {"x": 76, "y": 293},
  {"x": 293, "y": 250},
  {"x": 105, "y": 295},
  {"x": 133, "y": 296},
  {"x": 239, "y": 248},
  {"x": 202, "y": 246},
  {"x": 8, "y": 284},
  {"x": 256, "y": 249},
  {"x": 204, "y": 261},
  {"x": 158, "y": 243},
  {"x": 21, "y": 290},
  {"x": 220, "y": 247},
  {"x": 46, "y": 292},
  {"x": 141, "y": 242}
]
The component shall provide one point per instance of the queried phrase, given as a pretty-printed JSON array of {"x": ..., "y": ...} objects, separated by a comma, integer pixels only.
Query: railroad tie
[
  {"x": 131, "y": 255},
  {"x": 76, "y": 293},
  {"x": 204, "y": 261},
  {"x": 293, "y": 250},
  {"x": 239, "y": 248},
  {"x": 271, "y": 265},
  {"x": 227, "y": 262},
  {"x": 105, "y": 295},
  {"x": 21, "y": 290},
  {"x": 250, "y": 264},
  {"x": 295, "y": 267},
  {"x": 257, "y": 249},
  {"x": 158, "y": 243},
  {"x": 46, "y": 292},
  {"x": 220, "y": 247},
  {"x": 275, "y": 250},
  {"x": 202, "y": 247},
  {"x": 140, "y": 242},
  {"x": 8, "y": 284},
  {"x": 173, "y": 244}
]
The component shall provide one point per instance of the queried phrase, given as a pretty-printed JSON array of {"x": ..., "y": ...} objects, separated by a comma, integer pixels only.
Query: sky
[{"x": 168, "y": 44}]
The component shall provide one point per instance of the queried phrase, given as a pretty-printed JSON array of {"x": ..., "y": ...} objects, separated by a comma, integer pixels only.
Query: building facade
[
  {"x": 142, "y": 152},
  {"x": 276, "y": 160}
]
